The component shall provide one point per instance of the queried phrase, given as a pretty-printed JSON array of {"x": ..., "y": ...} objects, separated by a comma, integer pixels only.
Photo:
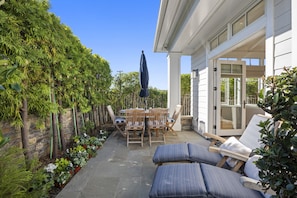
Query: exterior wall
[
  {"x": 278, "y": 36},
  {"x": 283, "y": 36},
  {"x": 200, "y": 91}
]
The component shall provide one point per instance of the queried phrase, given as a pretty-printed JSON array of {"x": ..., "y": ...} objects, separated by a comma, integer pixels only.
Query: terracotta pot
[{"x": 77, "y": 169}]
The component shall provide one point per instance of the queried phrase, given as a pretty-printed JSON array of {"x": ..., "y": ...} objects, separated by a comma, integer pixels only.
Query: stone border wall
[{"x": 39, "y": 140}]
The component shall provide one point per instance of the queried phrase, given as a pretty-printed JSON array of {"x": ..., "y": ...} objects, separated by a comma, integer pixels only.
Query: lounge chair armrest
[
  {"x": 234, "y": 155},
  {"x": 228, "y": 153},
  {"x": 255, "y": 185},
  {"x": 214, "y": 138},
  {"x": 214, "y": 149}
]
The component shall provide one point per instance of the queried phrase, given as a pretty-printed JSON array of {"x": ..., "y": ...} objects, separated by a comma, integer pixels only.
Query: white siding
[
  {"x": 283, "y": 36},
  {"x": 200, "y": 91}
]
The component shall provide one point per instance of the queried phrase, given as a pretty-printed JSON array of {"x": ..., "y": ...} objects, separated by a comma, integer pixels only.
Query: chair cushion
[
  {"x": 170, "y": 120},
  {"x": 171, "y": 153},
  {"x": 120, "y": 120},
  {"x": 234, "y": 145},
  {"x": 224, "y": 183},
  {"x": 252, "y": 171},
  {"x": 251, "y": 134},
  {"x": 199, "y": 153},
  {"x": 178, "y": 180}
]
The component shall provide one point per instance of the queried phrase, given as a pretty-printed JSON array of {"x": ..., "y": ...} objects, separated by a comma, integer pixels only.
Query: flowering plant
[
  {"x": 78, "y": 155},
  {"x": 62, "y": 170}
]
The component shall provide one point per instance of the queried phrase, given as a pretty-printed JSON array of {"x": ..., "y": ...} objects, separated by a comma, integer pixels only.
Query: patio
[{"x": 119, "y": 171}]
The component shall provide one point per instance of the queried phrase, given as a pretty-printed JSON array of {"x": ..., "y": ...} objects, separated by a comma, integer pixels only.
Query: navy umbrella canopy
[{"x": 144, "y": 78}]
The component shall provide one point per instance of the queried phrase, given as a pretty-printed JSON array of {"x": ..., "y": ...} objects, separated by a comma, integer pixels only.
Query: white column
[
  {"x": 294, "y": 32},
  {"x": 174, "y": 93},
  {"x": 269, "y": 44}
]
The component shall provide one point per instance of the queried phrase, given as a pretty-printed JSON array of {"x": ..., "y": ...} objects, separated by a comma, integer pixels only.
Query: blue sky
[{"x": 118, "y": 31}]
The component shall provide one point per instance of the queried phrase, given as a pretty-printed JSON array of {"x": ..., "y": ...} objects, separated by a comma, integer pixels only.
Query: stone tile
[{"x": 119, "y": 171}]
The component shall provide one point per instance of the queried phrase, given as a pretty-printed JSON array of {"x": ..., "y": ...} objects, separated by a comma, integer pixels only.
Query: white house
[{"x": 233, "y": 45}]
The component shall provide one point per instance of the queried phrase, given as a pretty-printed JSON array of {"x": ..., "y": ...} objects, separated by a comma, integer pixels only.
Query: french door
[{"x": 230, "y": 98}]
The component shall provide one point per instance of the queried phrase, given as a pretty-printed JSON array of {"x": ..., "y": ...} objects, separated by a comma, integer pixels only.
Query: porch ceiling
[{"x": 185, "y": 26}]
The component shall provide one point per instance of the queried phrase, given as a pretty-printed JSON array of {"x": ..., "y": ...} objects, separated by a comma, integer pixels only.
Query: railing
[
  {"x": 134, "y": 101},
  {"x": 186, "y": 104}
]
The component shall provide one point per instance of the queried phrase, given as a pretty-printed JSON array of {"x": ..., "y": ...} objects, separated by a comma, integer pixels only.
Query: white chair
[{"x": 118, "y": 122}]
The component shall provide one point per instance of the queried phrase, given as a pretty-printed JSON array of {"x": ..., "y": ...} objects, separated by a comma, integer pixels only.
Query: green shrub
[
  {"x": 278, "y": 166},
  {"x": 14, "y": 176}
]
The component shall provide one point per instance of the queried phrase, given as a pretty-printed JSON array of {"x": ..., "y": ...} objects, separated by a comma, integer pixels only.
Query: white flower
[
  {"x": 50, "y": 168},
  {"x": 85, "y": 135}
]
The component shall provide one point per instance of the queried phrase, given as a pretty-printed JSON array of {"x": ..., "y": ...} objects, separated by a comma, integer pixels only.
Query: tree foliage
[
  {"x": 42, "y": 63},
  {"x": 278, "y": 168}
]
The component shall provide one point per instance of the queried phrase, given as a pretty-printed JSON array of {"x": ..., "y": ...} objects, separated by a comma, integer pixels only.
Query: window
[
  {"x": 256, "y": 12},
  {"x": 213, "y": 44},
  {"x": 222, "y": 37},
  {"x": 251, "y": 61},
  {"x": 238, "y": 25},
  {"x": 253, "y": 87}
]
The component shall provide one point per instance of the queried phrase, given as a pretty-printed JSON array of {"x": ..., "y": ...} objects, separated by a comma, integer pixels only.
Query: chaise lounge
[
  {"x": 189, "y": 152},
  {"x": 204, "y": 180}
]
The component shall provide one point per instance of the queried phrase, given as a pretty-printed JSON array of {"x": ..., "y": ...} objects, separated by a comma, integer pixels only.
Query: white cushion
[
  {"x": 252, "y": 171},
  {"x": 232, "y": 144},
  {"x": 170, "y": 120},
  {"x": 250, "y": 168},
  {"x": 120, "y": 120}
]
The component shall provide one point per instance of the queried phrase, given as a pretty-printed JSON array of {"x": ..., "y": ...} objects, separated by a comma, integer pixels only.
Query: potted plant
[
  {"x": 63, "y": 171},
  {"x": 278, "y": 165}
]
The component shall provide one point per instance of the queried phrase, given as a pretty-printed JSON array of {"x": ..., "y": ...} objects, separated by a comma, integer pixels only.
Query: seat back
[
  {"x": 111, "y": 113},
  {"x": 176, "y": 112},
  {"x": 157, "y": 118},
  {"x": 135, "y": 119},
  {"x": 251, "y": 135}
]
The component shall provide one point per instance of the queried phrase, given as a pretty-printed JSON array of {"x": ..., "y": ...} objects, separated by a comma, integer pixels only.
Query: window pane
[
  {"x": 255, "y": 13},
  {"x": 247, "y": 61},
  {"x": 223, "y": 37},
  {"x": 213, "y": 44},
  {"x": 238, "y": 25},
  {"x": 252, "y": 90},
  {"x": 226, "y": 68},
  {"x": 236, "y": 69},
  {"x": 255, "y": 61}
]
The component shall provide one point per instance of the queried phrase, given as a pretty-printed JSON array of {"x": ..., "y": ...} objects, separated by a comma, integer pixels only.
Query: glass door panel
[{"x": 231, "y": 96}]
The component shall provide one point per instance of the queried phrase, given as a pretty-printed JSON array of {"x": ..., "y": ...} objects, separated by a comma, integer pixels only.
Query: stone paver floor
[{"x": 119, "y": 171}]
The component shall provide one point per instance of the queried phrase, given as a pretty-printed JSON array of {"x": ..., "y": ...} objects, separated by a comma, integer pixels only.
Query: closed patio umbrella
[{"x": 144, "y": 79}]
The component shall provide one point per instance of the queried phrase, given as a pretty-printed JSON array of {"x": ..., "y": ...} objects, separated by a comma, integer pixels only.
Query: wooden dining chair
[
  {"x": 118, "y": 122},
  {"x": 156, "y": 125},
  {"x": 135, "y": 126},
  {"x": 172, "y": 120}
]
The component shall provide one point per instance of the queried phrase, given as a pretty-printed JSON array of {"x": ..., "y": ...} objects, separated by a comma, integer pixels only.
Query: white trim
[{"x": 247, "y": 33}]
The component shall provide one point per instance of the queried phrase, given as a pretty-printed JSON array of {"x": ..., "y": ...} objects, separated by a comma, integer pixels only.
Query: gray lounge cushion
[
  {"x": 171, "y": 153},
  {"x": 178, "y": 180},
  {"x": 200, "y": 153},
  {"x": 224, "y": 183},
  {"x": 198, "y": 180}
]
